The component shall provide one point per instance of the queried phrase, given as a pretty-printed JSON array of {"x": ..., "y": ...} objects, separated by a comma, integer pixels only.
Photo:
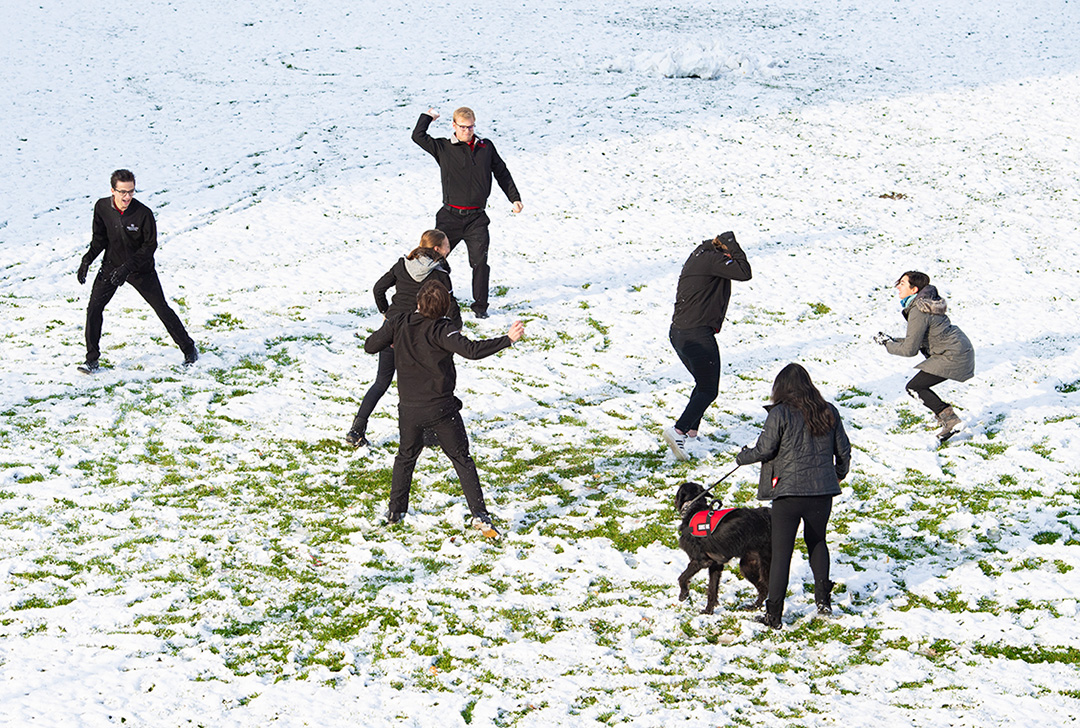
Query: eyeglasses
[
  {"x": 466, "y": 128},
  {"x": 125, "y": 193}
]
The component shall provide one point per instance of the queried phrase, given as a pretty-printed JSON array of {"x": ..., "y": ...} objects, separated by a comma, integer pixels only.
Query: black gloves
[
  {"x": 882, "y": 338},
  {"x": 84, "y": 268},
  {"x": 119, "y": 275}
]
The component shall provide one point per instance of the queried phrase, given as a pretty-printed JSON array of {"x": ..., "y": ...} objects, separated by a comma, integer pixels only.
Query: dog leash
[{"x": 709, "y": 489}]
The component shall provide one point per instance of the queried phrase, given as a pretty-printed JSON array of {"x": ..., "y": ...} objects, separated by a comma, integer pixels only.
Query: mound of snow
[{"x": 697, "y": 60}]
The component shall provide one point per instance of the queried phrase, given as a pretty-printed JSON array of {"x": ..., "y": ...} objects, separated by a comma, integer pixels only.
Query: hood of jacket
[
  {"x": 928, "y": 301},
  {"x": 420, "y": 268}
]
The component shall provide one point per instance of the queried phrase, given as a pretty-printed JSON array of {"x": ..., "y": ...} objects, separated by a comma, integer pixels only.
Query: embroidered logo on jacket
[{"x": 132, "y": 227}]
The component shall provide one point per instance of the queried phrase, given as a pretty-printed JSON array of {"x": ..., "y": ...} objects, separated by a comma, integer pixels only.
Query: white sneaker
[{"x": 676, "y": 442}]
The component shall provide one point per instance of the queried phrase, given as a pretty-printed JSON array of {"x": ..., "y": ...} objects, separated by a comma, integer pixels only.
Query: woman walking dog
[{"x": 804, "y": 453}]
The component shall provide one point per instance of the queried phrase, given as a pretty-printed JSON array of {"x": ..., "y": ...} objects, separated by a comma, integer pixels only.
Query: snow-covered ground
[{"x": 198, "y": 547}]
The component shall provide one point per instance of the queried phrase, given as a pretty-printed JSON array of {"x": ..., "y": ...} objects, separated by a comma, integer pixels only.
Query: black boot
[
  {"x": 355, "y": 435},
  {"x": 773, "y": 610},
  {"x": 823, "y": 597}
]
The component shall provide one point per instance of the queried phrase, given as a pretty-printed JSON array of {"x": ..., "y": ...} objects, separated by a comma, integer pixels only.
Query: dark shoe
[
  {"x": 430, "y": 439},
  {"x": 950, "y": 423},
  {"x": 191, "y": 356},
  {"x": 391, "y": 518},
  {"x": 480, "y": 313},
  {"x": 823, "y": 597},
  {"x": 90, "y": 367},
  {"x": 771, "y": 617},
  {"x": 356, "y": 439},
  {"x": 482, "y": 523}
]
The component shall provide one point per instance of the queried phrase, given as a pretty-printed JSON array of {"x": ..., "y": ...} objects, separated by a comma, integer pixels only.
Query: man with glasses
[
  {"x": 467, "y": 163},
  {"x": 125, "y": 230}
]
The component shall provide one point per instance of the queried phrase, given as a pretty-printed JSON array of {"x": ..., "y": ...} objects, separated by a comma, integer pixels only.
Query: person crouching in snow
[
  {"x": 701, "y": 303},
  {"x": 425, "y": 342},
  {"x": 948, "y": 352}
]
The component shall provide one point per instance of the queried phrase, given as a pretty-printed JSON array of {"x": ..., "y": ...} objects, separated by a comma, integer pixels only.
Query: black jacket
[
  {"x": 424, "y": 356},
  {"x": 128, "y": 238},
  {"x": 466, "y": 173},
  {"x": 405, "y": 278},
  {"x": 794, "y": 462},
  {"x": 705, "y": 284}
]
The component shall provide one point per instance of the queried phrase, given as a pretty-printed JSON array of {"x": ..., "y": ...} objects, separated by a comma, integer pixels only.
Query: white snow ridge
[{"x": 698, "y": 60}]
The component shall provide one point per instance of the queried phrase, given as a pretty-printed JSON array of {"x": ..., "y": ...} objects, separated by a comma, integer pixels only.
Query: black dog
[{"x": 745, "y": 533}]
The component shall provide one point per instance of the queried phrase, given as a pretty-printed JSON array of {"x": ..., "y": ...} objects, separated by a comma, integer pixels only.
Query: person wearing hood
[
  {"x": 426, "y": 262},
  {"x": 948, "y": 352},
  {"x": 701, "y": 303}
]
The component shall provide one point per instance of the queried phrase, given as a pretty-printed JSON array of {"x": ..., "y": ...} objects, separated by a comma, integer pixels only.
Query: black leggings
[
  {"x": 813, "y": 512},
  {"x": 919, "y": 386},
  {"x": 700, "y": 355},
  {"x": 382, "y": 382}
]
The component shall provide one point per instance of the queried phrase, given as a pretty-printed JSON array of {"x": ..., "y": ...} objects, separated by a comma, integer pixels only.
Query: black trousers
[
  {"x": 149, "y": 287},
  {"x": 383, "y": 378},
  {"x": 787, "y": 513},
  {"x": 447, "y": 424},
  {"x": 699, "y": 353},
  {"x": 919, "y": 386},
  {"x": 472, "y": 228}
]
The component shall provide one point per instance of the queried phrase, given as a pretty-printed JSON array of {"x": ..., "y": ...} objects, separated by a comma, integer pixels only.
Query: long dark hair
[{"x": 794, "y": 388}]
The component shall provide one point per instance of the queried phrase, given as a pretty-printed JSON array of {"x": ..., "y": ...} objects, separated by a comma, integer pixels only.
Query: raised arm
[{"x": 420, "y": 133}]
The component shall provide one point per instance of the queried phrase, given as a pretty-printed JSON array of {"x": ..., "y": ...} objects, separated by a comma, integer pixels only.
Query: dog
[{"x": 745, "y": 533}]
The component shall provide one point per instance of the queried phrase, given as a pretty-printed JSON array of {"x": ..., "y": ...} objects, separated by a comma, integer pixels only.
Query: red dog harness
[{"x": 703, "y": 523}]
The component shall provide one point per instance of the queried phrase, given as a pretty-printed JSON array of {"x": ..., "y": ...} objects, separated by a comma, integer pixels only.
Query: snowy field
[{"x": 199, "y": 548}]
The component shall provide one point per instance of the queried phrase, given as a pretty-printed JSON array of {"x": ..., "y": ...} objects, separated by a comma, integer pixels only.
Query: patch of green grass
[
  {"x": 907, "y": 421},
  {"x": 1046, "y": 537},
  {"x": 225, "y": 321},
  {"x": 1030, "y": 655}
]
